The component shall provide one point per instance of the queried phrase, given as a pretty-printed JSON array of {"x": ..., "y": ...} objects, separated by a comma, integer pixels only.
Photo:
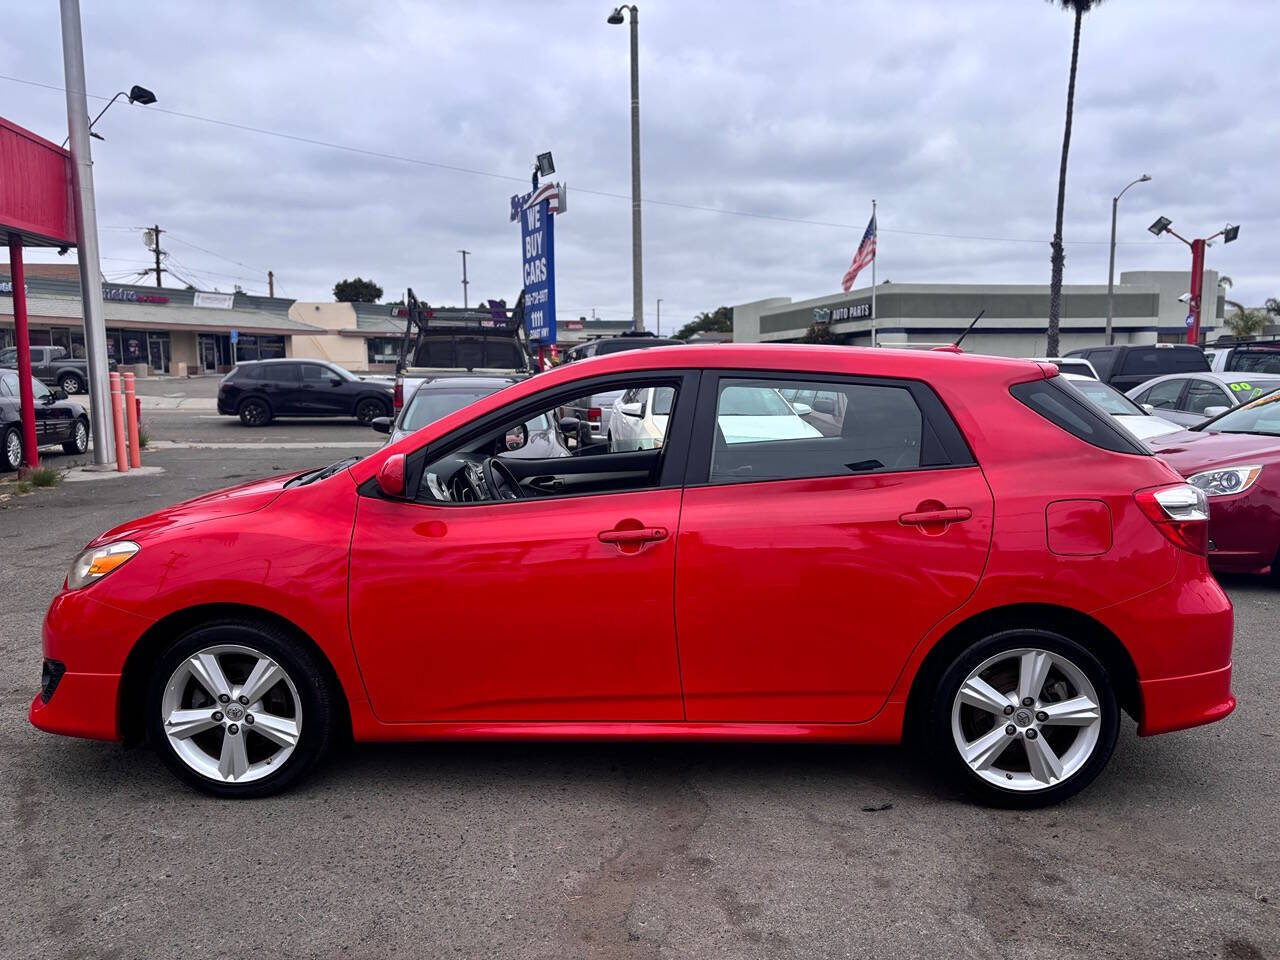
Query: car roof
[
  {"x": 245, "y": 363},
  {"x": 495, "y": 382},
  {"x": 1229, "y": 376}
]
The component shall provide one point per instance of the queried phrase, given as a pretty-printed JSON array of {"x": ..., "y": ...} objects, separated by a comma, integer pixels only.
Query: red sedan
[
  {"x": 958, "y": 547},
  {"x": 1235, "y": 459}
]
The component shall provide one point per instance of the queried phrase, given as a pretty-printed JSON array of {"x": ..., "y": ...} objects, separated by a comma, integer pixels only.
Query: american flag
[{"x": 866, "y": 253}]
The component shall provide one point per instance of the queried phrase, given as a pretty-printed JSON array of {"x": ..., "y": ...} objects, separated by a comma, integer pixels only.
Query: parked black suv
[
  {"x": 258, "y": 390},
  {"x": 1128, "y": 366}
]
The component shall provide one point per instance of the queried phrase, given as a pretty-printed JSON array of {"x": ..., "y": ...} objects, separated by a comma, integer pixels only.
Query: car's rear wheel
[
  {"x": 237, "y": 709},
  {"x": 254, "y": 412},
  {"x": 12, "y": 458},
  {"x": 1025, "y": 718},
  {"x": 368, "y": 409},
  {"x": 79, "y": 442},
  {"x": 71, "y": 384}
]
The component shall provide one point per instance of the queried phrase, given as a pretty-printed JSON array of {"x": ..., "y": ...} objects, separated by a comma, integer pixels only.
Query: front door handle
[
  {"x": 634, "y": 535},
  {"x": 945, "y": 515}
]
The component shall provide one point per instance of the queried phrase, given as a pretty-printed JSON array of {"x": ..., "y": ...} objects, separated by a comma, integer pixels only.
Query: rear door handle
[
  {"x": 946, "y": 515},
  {"x": 634, "y": 536}
]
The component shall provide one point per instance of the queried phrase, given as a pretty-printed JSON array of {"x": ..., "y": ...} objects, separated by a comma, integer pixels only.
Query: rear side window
[
  {"x": 858, "y": 428},
  {"x": 1065, "y": 409},
  {"x": 1254, "y": 361}
]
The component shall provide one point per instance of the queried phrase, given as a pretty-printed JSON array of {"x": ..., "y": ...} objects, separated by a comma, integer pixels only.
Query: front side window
[
  {"x": 1163, "y": 396},
  {"x": 315, "y": 373},
  {"x": 8, "y": 386},
  {"x": 545, "y": 451},
  {"x": 39, "y": 389},
  {"x": 847, "y": 429}
]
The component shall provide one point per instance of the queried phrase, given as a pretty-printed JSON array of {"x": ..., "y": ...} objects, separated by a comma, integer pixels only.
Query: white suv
[{"x": 639, "y": 418}]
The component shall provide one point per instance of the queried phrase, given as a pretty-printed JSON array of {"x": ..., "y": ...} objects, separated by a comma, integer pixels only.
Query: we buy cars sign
[{"x": 537, "y": 245}]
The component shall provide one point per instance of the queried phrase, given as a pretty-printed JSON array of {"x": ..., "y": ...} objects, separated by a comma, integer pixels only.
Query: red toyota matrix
[{"x": 809, "y": 543}]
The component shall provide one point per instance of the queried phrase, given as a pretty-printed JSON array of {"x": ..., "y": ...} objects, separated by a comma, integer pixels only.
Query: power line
[{"x": 419, "y": 161}]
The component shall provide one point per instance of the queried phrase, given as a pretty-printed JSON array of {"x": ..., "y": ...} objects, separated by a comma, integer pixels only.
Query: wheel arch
[
  {"x": 71, "y": 371},
  {"x": 256, "y": 395},
  {"x": 384, "y": 402},
  {"x": 145, "y": 653},
  {"x": 1072, "y": 624}
]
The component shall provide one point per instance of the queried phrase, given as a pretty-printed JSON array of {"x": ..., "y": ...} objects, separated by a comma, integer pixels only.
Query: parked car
[
  {"x": 440, "y": 397},
  {"x": 258, "y": 391},
  {"x": 1137, "y": 420},
  {"x": 1192, "y": 398},
  {"x": 1077, "y": 365},
  {"x": 639, "y": 420},
  {"x": 1235, "y": 459},
  {"x": 594, "y": 414},
  {"x": 52, "y": 367},
  {"x": 980, "y": 558},
  {"x": 1245, "y": 356},
  {"x": 627, "y": 341},
  {"x": 58, "y": 420},
  {"x": 1126, "y": 366}
]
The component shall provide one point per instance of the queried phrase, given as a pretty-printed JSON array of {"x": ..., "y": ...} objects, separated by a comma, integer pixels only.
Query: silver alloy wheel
[
  {"x": 81, "y": 436},
  {"x": 231, "y": 713},
  {"x": 13, "y": 450},
  {"x": 1037, "y": 699},
  {"x": 71, "y": 385}
]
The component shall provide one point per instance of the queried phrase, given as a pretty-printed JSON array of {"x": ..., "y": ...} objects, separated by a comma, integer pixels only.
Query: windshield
[
  {"x": 1108, "y": 398},
  {"x": 1261, "y": 416},
  {"x": 429, "y": 405},
  {"x": 753, "y": 402},
  {"x": 9, "y": 356}
]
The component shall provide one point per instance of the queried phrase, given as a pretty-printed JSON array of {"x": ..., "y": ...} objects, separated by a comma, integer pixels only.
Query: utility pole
[
  {"x": 156, "y": 236},
  {"x": 95, "y": 323},
  {"x": 658, "y": 323},
  {"x": 271, "y": 283},
  {"x": 464, "y": 278}
]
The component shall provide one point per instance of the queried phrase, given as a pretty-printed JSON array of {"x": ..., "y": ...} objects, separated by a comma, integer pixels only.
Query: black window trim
[
  {"x": 1123, "y": 441},
  {"x": 675, "y": 447},
  {"x": 933, "y": 414}
]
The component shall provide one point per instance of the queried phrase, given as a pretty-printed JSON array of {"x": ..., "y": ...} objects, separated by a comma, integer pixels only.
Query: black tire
[
  {"x": 369, "y": 408},
  {"x": 71, "y": 383},
  {"x": 79, "y": 442},
  {"x": 308, "y": 676},
  {"x": 11, "y": 450},
  {"x": 943, "y": 749},
  {"x": 254, "y": 412}
]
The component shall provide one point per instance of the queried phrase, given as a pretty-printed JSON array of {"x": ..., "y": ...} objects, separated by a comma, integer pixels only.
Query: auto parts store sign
[{"x": 535, "y": 211}]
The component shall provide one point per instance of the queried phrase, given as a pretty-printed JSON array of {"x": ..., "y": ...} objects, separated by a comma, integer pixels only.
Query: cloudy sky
[{"x": 767, "y": 129}]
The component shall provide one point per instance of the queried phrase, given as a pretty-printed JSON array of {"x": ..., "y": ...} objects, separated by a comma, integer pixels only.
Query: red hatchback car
[
  {"x": 1235, "y": 459},
  {"x": 958, "y": 547}
]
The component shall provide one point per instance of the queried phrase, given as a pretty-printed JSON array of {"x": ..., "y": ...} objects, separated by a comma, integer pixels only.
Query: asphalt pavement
[{"x": 605, "y": 850}]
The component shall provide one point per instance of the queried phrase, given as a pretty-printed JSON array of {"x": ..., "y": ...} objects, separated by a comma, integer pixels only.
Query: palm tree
[{"x": 1080, "y": 8}]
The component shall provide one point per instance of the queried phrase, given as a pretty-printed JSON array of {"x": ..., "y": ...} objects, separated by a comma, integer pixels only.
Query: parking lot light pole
[
  {"x": 637, "y": 281},
  {"x": 1228, "y": 234},
  {"x": 95, "y": 327},
  {"x": 1111, "y": 270}
]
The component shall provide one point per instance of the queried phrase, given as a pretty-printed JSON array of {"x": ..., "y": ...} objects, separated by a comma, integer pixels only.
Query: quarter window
[{"x": 844, "y": 429}]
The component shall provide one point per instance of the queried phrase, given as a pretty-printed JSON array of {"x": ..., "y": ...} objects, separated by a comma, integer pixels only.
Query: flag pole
[{"x": 873, "y": 273}]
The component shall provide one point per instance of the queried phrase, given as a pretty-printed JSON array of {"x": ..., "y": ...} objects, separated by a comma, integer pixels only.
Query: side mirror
[
  {"x": 1214, "y": 411},
  {"x": 632, "y": 410},
  {"x": 335, "y": 381},
  {"x": 801, "y": 409},
  {"x": 516, "y": 437},
  {"x": 381, "y": 424},
  {"x": 569, "y": 426},
  {"x": 58, "y": 393},
  {"x": 391, "y": 476},
  {"x": 824, "y": 405},
  {"x": 1149, "y": 408}
]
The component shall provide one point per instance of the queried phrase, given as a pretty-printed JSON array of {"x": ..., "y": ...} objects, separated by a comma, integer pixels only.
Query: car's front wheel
[
  {"x": 12, "y": 450},
  {"x": 71, "y": 384},
  {"x": 238, "y": 709},
  {"x": 1025, "y": 718},
  {"x": 368, "y": 409},
  {"x": 79, "y": 442},
  {"x": 255, "y": 413}
]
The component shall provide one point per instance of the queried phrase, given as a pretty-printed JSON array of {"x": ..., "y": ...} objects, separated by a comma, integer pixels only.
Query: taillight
[
  {"x": 397, "y": 397},
  {"x": 593, "y": 414},
  {"x": 1180, "y": 512}
]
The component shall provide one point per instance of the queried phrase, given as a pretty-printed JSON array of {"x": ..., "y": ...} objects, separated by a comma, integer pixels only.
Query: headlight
[
  {"x": 1228, "y": 480},
  {"x": 96, "y": 562}
]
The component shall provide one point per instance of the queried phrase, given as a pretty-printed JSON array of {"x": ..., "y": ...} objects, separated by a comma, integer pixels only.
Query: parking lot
[{"x": 536, "y": 850}]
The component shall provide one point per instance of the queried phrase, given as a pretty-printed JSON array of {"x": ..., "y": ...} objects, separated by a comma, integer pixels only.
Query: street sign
[{"x": 235, "y": 335}]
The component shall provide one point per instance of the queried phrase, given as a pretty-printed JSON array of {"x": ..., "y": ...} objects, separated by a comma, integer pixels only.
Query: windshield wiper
[{"x": 322, "y": 474}]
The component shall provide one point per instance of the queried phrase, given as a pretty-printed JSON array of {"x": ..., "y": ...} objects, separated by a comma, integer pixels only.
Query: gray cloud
[{"x": 949, "y": 114}]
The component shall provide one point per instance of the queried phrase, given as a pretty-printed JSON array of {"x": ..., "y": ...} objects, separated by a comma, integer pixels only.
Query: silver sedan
[{"x": 1192, "y": 398}]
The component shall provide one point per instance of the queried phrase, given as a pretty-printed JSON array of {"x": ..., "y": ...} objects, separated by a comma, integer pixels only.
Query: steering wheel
[{"x": 502, "y": 483}]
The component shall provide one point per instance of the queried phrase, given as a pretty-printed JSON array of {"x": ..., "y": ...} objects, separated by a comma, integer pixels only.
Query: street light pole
[
  {"x": 95, "y": 326},
  {"x": 1228, "y": 234},
  {"x": 637, "y": 280},
  {"x": 465, "y": 282},
  {"x": 658, "y": 324},
  {"x": 1111, "y": 270}
]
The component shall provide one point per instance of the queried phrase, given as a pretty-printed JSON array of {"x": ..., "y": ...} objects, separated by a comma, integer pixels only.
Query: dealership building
[
  {"x": 179, "y": 332},
  {"x": 1146, "y": 309}
]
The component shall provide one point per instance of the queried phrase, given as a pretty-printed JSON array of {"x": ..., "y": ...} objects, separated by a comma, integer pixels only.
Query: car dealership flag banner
[{"x": 866, "y": 254}]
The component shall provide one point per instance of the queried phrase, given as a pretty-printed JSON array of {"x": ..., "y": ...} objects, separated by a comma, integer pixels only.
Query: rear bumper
[{"x": 1176, "y": 703}]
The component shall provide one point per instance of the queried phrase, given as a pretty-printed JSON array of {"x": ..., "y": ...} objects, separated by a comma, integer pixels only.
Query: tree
[
  {"x": 1080, "y": 8},
  {"x": 1245, "y": 323},
  {"x": 719, "y": 321},
  {"x": 819, "y": 332},
  {"x": 357, "y": 291}
]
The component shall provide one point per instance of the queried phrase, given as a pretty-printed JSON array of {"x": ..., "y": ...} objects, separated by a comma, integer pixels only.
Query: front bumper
[{"x": 84, "y": 705}]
